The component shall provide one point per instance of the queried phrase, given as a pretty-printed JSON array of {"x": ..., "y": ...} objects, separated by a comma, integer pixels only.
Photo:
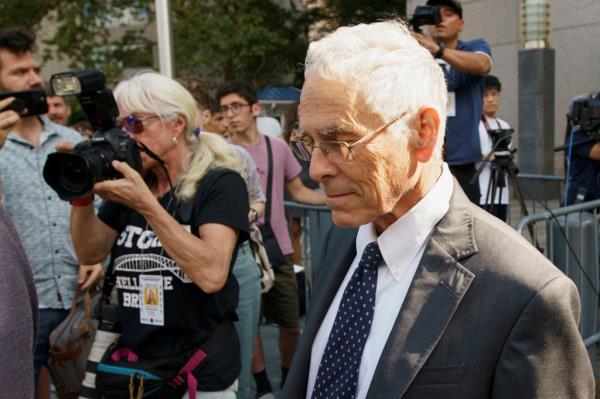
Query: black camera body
[
  {"x": 28, "y": 102},
  {"x": 585, "y": 115},
  {"x": 72, "y": 174},
  {"x": 501, "y": 139},
  {"x": 425, "y": 15}
]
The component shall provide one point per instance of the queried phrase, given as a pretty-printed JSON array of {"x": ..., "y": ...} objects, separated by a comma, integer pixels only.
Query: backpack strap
[{"x": 186, "y": 371}]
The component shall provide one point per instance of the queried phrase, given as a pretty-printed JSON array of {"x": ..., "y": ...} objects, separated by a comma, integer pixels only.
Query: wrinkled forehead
[{"x": 327, "y": 105}]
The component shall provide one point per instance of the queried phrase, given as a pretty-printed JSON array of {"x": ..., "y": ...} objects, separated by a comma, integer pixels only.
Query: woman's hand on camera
[{"x": 131, "y": 190}]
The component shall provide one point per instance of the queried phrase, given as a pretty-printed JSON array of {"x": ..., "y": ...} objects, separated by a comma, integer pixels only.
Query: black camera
[
  {"x": 425, "y": 15},
  {"x": 585, "y": 114},
  {"x": 27, "y": 103},
  {"x": 501, "y": 139},
  {"x": 72, "y": 174}
]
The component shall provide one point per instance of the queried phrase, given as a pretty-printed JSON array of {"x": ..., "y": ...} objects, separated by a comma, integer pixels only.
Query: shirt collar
[
  {"x": 403, "y": 239},
  {"x": 49, "y": 129}
]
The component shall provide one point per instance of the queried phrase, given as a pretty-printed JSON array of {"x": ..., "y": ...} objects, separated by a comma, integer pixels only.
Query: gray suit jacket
[{"x": 486, "y": 316}]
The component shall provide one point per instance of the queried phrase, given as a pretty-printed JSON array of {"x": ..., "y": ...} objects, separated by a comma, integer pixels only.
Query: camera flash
[{"x": 65, "y": 85}]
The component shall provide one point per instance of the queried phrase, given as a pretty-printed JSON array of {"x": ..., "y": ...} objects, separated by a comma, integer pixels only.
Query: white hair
[
  {"x": 152, "y": 93},
  {"x": 392, "y": 71}
]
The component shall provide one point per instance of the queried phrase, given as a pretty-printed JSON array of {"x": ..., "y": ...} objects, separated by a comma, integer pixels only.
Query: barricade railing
[
  {"x": 315, "y": 222},
  {"x": 540, "y": 192},
  {"x": 568, "y": 237}
]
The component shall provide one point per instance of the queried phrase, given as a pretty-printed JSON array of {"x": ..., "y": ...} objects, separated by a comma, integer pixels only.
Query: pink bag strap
[
  {"x": 121, "y": 353},
  {"x": 186, "y": 371}
]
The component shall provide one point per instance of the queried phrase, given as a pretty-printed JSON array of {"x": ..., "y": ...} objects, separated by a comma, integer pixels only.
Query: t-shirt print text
[{"x": 144, "y": 239}]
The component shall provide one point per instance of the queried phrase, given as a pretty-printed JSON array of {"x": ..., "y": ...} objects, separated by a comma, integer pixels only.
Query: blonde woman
[{"x": 174, "y": 228}]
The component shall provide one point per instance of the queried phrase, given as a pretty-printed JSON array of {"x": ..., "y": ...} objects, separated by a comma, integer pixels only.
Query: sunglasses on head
[{"x": 134, "y": 124}]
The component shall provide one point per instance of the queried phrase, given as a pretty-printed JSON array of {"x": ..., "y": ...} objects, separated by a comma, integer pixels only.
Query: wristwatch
[
  {"x": 440, "y": 52},
  {"x": 254, "y": 215}
]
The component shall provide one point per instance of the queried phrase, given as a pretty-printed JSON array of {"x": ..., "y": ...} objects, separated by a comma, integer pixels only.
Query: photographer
[
  {"x": 582, "y": 154},
  {"x": 464, "y": 65},
  {"x": 490, "y": 123},
  {"x": 184, "y": 256}
]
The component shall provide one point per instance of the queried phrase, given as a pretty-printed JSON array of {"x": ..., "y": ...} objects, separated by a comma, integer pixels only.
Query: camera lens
[
  {"x": 69, "y": 174},
  {"x": 73, "y": 175}
]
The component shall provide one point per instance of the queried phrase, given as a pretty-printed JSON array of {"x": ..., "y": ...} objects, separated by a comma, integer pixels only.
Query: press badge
[
  {"x": 451, "y": 109},
  {"x": 152, "y": 309}
]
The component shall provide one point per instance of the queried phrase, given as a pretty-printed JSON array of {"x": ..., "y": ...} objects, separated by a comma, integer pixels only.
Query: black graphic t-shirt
[{"x": 190, "y": 315}]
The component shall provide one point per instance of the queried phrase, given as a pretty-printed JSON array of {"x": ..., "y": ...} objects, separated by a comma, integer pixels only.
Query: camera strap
[{"x": 487, "y": 125}]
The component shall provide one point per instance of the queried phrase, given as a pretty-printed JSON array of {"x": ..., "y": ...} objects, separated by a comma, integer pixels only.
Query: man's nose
[
  {"x": 320, "y": 166},
  {"x": 35, "y": 79}
]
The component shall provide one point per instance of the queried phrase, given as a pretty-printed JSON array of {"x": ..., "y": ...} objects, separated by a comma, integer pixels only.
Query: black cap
[{"x": 454, "y": 4}]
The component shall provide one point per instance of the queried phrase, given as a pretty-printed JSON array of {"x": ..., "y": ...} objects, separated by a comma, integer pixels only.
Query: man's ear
[
  {"x": 427, "y": 133},
  {"x": 255, "y": 109},
  {"x": 206, "y": 116}
]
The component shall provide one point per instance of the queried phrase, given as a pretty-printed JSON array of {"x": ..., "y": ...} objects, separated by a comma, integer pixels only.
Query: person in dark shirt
[
  {"x": 173, "y": 230},
  {"x": 464, "y": 63},
  {"x": 582, "y": 161}
]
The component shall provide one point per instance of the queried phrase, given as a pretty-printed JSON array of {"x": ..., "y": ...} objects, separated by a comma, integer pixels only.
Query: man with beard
[{"x": 41, "y": 218}]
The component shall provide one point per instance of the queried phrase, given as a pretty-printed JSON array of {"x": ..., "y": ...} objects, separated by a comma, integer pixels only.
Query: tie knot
[{"x": 371, "y": 257}]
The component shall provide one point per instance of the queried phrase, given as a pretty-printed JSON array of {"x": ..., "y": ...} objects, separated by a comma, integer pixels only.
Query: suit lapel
[{"x": 437, "y": 289}]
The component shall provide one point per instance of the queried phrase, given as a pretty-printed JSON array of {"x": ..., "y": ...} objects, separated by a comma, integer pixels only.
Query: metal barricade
[
  {"x": 540, "y": 192},
  {"x": 568, "y": 237},
  {"x": 315, "y": 222}
]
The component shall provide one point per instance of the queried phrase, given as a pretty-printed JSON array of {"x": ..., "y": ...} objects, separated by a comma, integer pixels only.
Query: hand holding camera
[
  {"x": 73, "y": 173},
  {"x": 130, "y": 190},
  {"x": 8, "y": 119}
]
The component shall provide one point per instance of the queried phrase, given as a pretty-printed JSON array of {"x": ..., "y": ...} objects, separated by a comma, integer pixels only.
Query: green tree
[
  {"x": 335, "y": 13},
  {"x": 257, "y": 41},
  {"x": 83, "y": 31}
]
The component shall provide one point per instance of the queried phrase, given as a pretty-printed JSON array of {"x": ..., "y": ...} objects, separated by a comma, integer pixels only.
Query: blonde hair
[
  {"x": 391, "y": 69},
  {"x": 152, "y": 93},
  {"x": 210, "y": 152}
]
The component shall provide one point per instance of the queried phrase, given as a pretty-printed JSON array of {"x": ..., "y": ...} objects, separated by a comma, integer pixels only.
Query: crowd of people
[{"x": 420, "y": 292}]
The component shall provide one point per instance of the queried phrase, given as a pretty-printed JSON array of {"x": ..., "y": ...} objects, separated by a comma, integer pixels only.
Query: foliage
[
  {"x": 14, "y": 14},
  {"x": 335, "y": 13},
  {"x": 78, "y": 30},
  {"x": 257, "y": 41},
  {"x": 86, "y": 24}
]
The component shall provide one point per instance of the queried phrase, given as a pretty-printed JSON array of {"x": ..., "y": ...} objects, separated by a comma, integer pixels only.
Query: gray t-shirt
[
  {"x": 18, "y": 315},
  {"x": 251, "y": 177}
]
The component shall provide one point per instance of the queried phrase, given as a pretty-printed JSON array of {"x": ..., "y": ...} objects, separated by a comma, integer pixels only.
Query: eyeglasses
[
  {"x": 235, "y": 108},
  {"x": 134, "y": 124},
  {"x": 334, "y": 150}
]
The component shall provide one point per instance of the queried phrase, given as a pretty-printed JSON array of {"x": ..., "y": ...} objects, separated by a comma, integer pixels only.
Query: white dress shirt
[
  {"x": 402, "y": 245},
  {"x": 484, "y": 177}
]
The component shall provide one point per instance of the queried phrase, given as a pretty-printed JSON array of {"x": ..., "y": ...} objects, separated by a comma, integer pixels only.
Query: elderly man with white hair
[{"x": 419, "y": 294}]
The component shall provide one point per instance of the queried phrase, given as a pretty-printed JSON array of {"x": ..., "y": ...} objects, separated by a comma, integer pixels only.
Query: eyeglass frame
[
  {"x": 134, "y": 123},
  {"x": 224, "y": 109},
  {"x": 347, "y": 158}
]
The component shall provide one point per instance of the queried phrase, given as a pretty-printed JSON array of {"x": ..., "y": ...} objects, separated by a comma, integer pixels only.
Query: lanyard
[{"x": 487, "y": 125}]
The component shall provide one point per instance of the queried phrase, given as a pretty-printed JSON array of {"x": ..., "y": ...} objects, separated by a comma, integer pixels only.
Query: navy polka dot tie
[{"x": 337, "y": 376}]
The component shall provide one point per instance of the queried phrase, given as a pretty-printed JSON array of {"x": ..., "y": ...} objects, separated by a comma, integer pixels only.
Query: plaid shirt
[{"x": 40, "y": 217}]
